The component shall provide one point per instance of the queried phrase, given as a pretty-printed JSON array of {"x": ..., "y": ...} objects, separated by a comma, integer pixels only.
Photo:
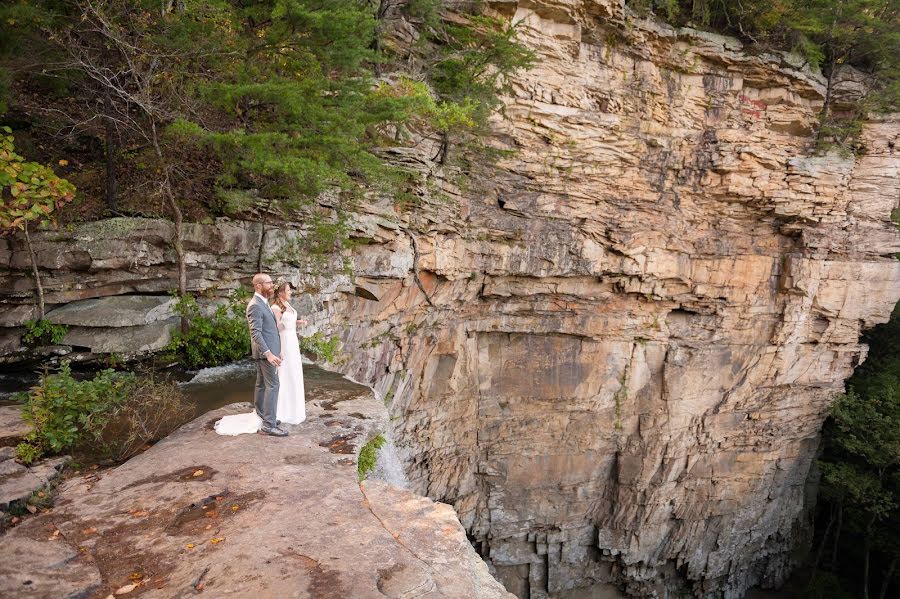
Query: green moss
[
  {"x": 368, "y": 455},
  {"x": 112, "y": 227}
]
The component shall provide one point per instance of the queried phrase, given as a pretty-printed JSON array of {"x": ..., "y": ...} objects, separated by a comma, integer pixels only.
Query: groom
[{"x": 265, "y": 345}]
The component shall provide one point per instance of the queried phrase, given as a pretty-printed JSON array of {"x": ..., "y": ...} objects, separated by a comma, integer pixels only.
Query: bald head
[{"x": 262, "y": 284}]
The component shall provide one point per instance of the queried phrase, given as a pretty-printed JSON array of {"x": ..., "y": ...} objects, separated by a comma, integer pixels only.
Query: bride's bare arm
[{"x": 277, "y": 312}]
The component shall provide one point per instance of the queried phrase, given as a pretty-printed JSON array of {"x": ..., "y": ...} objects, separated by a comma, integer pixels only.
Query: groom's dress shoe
[{"x": 274, "y": 431}]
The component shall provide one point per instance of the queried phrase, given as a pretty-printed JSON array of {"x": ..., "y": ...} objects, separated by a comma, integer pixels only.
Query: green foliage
[
  {"x": 472, "y": 60},
  {"x": 110, "y": 416},
  {"x": 860, "y": 464},
  {"x": 325, "y": 348},
  {"x": 368, "y": 456},
  {"x": 43, "y": 332},
  {"x": 64, "y": 412},
  {"x": 32, "y": 192},
  {"x": 319, "y": 249},
  {"x": 211, "y": 340}
]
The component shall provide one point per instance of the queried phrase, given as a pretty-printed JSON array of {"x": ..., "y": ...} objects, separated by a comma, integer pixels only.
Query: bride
[
  {"x": 291, "y": 399},
  {"x": 291, "y": 407}
]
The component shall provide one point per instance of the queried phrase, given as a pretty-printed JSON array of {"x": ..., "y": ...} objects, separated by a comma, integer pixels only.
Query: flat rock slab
[
  {"x": 12, "y": 426},
  {"x": 17, "y": 483},
  {"x": 120, "y": 339},
  {"x": 115, "y": 311},
  {"x": 249, "y": 516}
]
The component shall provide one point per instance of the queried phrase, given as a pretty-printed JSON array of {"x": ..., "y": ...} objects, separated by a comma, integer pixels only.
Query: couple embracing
[{"x": 279, "y": 395}]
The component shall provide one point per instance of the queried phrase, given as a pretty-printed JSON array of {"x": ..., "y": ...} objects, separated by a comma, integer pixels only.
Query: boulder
[
  {"x": 123, "y": 339},
  {"x": 115, "y": 311}
]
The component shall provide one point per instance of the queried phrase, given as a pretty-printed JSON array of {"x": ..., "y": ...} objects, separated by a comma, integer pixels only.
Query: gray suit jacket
[{"x": 263, "y": 329}]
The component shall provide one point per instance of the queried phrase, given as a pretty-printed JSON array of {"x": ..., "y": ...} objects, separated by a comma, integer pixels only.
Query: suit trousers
[{"x": 266, "y": 393}]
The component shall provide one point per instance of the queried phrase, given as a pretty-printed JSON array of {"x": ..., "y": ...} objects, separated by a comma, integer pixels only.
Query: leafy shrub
[
  {"x": 111, "y": 416},
  {"x": 212, "y": 341},
  {"x": 153, "y": 410},
  {"x": 324, "y": 348},
  {"x": 368, "y": 455},
  {"x": 43, "y": 332},
  {"x": 64, "y": 412}
]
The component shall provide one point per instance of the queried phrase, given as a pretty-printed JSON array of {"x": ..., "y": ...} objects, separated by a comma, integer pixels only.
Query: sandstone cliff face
[{"x": 633, "y": 327}]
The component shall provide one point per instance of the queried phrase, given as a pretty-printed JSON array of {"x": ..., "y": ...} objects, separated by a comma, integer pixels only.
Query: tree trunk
[
  {"x": 826, "y": 108},
  {"x": 262, "y": 237},
  {"x": 112, "y": 151},
  {"x": 815, "y": 565},
  {"x": 178, "y": 244},
  {"x": 888, "y": 577},
  {"x": 36, "y": 274},
  {"x": 867, "y": 550},
  {"x": 837, "y": 535},
  {"x": 178, "y": 219}
]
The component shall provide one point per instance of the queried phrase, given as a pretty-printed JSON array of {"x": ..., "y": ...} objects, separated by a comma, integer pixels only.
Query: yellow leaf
[
  {"x": 190, "y": 545},
  {"x": 235, "y": 508},
  {"x": 197, "y": 473},
  {"x": 63, "y": 162},
  {"x": 125, "y": 589},
  {"x": 215, "y": 540}
]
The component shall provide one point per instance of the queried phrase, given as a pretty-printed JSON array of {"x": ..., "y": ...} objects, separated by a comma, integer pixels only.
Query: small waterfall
[{"x": 388, "y": 467}]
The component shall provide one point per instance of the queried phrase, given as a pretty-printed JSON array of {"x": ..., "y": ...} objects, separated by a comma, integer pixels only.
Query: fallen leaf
[
  {"x": 215, "y": 540},
  {"x": 41, "y": 494},
  {"x": 197, "y": 473},
  {"x": 208, "y": 526},
  {"x": 15, "y": 520},
  {"x": 139, "y": 514},
  {"x": 235, "y": 508},
  {"x": 63, "y": 162},
  {"x": 190, "y": 545},
  {"x": 136, "y": 576},
  {"x": 126, "y": 589},
  {"x": 90, "y": 531},
  {"x": 31, "y": 509},
  {"x": 199, "y": 586}
]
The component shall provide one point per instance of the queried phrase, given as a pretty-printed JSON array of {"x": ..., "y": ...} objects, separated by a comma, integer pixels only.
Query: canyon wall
[{"x": 613, "y": 352}]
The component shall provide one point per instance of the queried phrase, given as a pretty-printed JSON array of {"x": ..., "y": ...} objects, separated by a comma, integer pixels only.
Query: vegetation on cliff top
[
  {"x": 831, "y": 34},
  {"x": 189, "y": 109}
]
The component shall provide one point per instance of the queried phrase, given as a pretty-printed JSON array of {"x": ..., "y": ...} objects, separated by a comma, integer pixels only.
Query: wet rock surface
[{"x": 247, "y": 516}]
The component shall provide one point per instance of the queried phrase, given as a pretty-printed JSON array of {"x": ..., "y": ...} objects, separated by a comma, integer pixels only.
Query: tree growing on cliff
[{"x": 32, "y": 195}]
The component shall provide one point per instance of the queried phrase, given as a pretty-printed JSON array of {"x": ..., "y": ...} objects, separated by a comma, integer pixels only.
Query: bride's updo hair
[{"x": 280, "y": 284}]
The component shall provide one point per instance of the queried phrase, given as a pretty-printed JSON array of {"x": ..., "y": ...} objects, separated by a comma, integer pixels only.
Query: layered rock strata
[{"x": 612, "y": 353}]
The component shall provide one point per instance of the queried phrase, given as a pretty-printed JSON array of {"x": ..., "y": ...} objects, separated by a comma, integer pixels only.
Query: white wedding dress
[
  {"x": 291, "y": 406},
  {"x": 291, "y": 395}
]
